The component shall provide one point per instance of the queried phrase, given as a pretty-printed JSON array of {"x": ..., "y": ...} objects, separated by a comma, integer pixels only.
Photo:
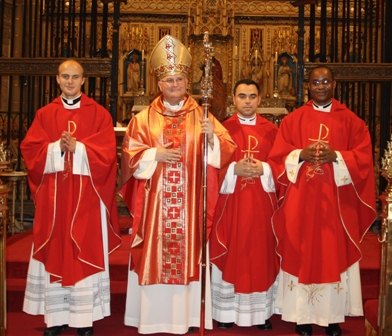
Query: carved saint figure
[
  {"x": 285, "y": 78},
  {"x": 134, "y": 74}
]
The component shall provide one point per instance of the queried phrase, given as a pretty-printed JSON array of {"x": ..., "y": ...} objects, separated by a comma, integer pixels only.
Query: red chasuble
[
  {"x": 167, "y": 208},
  {"x": 242, "y": 244},
  {"x": 67, "y": 220},
  {"x": 319, "y": 225}
]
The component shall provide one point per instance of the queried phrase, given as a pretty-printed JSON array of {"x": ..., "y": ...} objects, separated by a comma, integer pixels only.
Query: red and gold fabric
[{"x": 167, "y": 208}]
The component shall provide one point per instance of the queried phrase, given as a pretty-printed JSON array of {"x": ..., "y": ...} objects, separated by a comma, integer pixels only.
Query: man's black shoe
[
  {"x": 266, "y": 326},
  {"x": 225, "y": 325},
  {"x": 333, "y": 330},
  {"x": 303, "y": 329},
  {"x": 89, "y": 331},
  {"x": 54, "y": 331}
]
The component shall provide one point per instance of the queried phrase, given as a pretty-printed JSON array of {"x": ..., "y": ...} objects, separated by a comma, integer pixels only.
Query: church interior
[{"x": 274, "y": 42}]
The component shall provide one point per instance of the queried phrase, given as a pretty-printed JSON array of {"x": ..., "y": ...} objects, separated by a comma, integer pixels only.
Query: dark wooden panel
[
  {"x": 366, "y": 72},
  {"x": 93, "y": 67}
]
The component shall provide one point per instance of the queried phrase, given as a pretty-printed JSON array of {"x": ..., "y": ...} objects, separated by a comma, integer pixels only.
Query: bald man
[{"x": 70, "y": 155}]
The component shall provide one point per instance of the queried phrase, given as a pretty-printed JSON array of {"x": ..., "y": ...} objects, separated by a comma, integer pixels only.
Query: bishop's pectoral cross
[{"x": 67, "y": 163}]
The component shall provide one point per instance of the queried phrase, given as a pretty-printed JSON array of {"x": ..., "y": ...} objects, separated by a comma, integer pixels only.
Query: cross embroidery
[
  {"x": 173, "y": 213},
  {"x": 338, "y": 288},
  {"x": 252, "y": 144},
  {"x": 249, "y": 153},
  {"x": 291, "y": 285},
  {"x": 344, "y": 179},
  {"x": 174, "y": 176},
  {"x": 323, "y": 134},
  {"x": 315, "y": 168},
  {"x": 67, "y": 162}
]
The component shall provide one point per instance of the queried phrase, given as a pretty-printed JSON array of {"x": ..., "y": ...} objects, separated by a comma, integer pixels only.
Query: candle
[
  {"x": 276, "y": 57},
  {"x": 235, "y": 51},
  {"x": 143, "y": 54}
]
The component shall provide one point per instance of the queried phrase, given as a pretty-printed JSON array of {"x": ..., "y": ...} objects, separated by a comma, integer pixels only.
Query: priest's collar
[
  {"x": 247, "y": 121},
  {"x": 175, "y": 107},
  {"x": 323, "y": 108},
  {"x": 72, "y": 103}
]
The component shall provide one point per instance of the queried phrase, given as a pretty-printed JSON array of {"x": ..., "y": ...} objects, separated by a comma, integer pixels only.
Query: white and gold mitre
[{"x": 170, "y": 57}]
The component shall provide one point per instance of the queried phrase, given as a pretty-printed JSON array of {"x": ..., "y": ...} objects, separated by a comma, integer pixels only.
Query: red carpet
[{"x": 19, "y": 323}]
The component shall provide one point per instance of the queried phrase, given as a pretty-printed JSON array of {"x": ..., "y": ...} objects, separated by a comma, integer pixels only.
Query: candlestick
[{"x": 235, "y": 51}]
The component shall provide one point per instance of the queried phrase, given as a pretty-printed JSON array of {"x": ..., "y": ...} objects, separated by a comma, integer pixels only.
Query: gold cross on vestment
[
  {"x": 252, "y": 144},
  {"x": 67, "y": 163},
  {"x": 323, "y": 134}
]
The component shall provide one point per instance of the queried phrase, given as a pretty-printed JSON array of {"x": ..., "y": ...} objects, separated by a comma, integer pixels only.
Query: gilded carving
[{"x": 242, "y": 7}]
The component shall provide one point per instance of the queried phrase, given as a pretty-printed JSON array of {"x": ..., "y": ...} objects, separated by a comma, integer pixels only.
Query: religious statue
[
  {"x": 134, "y": 75},
  {"x": 285, "y": 78},
  {"x": 257, "y": 68},
  {"x": 3, "y": 156},
  {"x": 245, "y": 71}
]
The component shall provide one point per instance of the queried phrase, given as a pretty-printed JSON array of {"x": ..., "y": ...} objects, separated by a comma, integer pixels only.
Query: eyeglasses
[
  {"x": 171, "y": 81},
  {"x": 323, "y": 82}
]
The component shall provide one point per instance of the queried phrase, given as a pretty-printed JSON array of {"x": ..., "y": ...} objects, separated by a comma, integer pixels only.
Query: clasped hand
[
  {"x": 67, "y": 142},
  {"x": 319, "y": 153},
  {"x": 249, "y": 167}
]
